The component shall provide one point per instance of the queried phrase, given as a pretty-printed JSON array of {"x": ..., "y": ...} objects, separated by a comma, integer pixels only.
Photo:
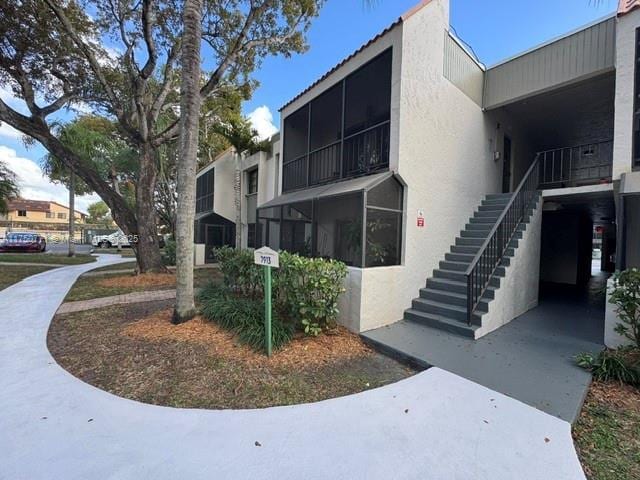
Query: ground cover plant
[
  {"x": 136, "y": 352},
  {"x": 305, "y": 295}
]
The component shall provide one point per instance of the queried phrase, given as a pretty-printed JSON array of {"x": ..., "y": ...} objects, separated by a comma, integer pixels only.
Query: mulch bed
[
  {"x": 607, "y": 434},
  {"x": 135, "y": 352},
  {"x": 138, "y": 281}
]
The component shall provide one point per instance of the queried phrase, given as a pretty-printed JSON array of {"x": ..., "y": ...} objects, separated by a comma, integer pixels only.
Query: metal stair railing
[{"x": 484, "y": 264}]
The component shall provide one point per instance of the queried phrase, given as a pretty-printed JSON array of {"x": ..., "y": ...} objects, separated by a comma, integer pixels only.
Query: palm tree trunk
[
  {"x": 190, "y": 102},
  {"x": 72, "y": 214},
  {"x": 237, "y": 191}
]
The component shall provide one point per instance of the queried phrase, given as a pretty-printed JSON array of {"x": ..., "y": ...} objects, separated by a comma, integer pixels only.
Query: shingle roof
[
  {"x": 403, "y": 17},
  {"x": 336, "y": 67},
  {"x": 29, "y": 205},
  {"x": 625, "y": 6}
]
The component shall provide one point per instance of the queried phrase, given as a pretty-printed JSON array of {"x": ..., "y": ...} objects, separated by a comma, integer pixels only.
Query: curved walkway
[{"x": 434, "y": 425}]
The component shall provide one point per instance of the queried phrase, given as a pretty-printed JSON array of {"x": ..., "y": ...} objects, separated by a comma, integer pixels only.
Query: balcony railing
[
  {"x": 586, "y": 164},
  {"x": 360, "y": 154}
]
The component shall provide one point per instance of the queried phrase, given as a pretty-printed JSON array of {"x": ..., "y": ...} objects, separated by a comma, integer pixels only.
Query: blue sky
[{"x": 495, "y": 29}]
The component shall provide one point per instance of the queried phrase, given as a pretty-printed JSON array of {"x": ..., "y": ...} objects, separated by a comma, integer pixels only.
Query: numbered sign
[{"x": 266, "y": 257}]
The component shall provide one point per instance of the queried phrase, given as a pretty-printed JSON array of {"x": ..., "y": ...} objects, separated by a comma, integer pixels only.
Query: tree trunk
[
  {"x": 237, "y": 194},
  {"x": 147, "y": 252},
  {"x": 190, "y": 102},
  {"x": 72, "y": 214},
  {"x": 145, "y": 239}
]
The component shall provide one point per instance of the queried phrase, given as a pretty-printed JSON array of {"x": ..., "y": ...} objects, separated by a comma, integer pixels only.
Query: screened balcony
[
  {"x": 342, "y": 133},
  {"x": 358, "y": 221}
]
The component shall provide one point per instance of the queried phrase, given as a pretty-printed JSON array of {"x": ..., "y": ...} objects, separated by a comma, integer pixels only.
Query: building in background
[
  {"x": 215, "y": 202},
  {"x": 47, "y": 218}
]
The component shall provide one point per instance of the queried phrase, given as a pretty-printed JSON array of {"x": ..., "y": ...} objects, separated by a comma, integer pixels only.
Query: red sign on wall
[{"x": 421, "y": 222}]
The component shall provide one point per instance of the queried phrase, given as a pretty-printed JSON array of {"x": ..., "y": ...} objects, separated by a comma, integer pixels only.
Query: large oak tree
[{"x": 53, "y": 56}]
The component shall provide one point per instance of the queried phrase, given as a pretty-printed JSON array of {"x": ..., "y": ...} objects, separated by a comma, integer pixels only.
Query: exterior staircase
[{"x": 442, "y": 304}]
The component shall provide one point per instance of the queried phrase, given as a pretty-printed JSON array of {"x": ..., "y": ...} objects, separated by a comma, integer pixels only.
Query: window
[
  {"x": 49, "y": 215},
  {"x": 368, "y": 95},
  {"x": 62, "y": 215},
  {"x": 204, "y": 192},
  {"x": 341, "y": 227},
  {"x": 342, "y": 133},
  {"x": 252, "y": 182},
  {"x": 22, "y": 213}
]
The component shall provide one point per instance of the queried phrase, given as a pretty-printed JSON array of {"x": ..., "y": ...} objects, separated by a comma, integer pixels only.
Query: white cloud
[
  {"x": 8, "y": 131},
  {"x": 262, "y": 120},
  {"x": 35, "y": 186}
]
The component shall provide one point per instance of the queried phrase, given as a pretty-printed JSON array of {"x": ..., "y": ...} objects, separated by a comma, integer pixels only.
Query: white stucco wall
[
  {"x": 625, "y": 74},
  {"x": 223, "y": 186},
  {"x": 444, "y": 156},
  {"x": 518, "y": 290}
]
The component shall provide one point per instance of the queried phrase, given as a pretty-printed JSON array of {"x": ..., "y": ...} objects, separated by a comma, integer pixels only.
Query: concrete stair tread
[
  {"x": 444, "y": 306},
  {"x": 440, "y": 322}
]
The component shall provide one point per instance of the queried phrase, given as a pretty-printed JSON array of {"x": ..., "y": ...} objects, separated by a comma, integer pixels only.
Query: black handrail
[{"x": 488, "y": 258}]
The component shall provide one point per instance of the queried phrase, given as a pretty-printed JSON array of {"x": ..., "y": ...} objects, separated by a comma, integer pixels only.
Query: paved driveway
[{"x": 434, "y": 425}]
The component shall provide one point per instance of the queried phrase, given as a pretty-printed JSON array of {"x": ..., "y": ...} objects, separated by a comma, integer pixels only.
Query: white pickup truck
[{"x": 111, "y": 240}]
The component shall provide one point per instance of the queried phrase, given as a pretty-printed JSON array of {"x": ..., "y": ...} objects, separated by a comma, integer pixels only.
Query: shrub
[
  {"x": 169, "y": 256},
  {"x": 309, "y": 288},
  {"x": 621, "y": 365},
  {"x": 625, "y": 295},
  {"x": 305, "y": 290},
  {"x": 240, "y": 274},
  {"x": 244, "y": 316}
]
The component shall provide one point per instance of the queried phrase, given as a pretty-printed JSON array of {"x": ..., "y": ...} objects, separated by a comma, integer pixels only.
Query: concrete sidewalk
[{"x": 434, "y": 425}]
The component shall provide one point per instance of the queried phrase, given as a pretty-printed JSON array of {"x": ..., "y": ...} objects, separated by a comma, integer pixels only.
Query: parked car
[
  {"x": 23, "y": 242},
  {"x": 111, "y": 240}
]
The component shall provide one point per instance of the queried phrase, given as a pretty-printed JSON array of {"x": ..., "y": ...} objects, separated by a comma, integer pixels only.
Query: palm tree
[
  {"x": 243, "y": 139},
  {"x": 190, "y": 102},
  {"x": 8, "y": 187}
]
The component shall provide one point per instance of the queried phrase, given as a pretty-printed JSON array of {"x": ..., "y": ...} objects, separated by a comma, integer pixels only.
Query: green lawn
[
  {"x": 13, "y": 274},
  {"x": 107, "y": 285},
  {"x": 45, "y": 258},
  {"x": 607, "y": 435}
]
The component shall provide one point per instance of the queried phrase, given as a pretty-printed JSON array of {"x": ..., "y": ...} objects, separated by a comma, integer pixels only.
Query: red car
[{"x": 23, "y": 242}]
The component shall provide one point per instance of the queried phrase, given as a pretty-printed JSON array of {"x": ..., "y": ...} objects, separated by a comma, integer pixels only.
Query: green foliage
[
  {"x": 621, "y": 365},
  {"x": 8, "y": 187},
  {"x": 169, "y": 255},
  {"x": 244, "y": 316},
  {"x": 305, "y": 290},
  {"x": 309, "y": 288},
  {"x": 625, "y": 295},
  {"x": 99, "y": 214}
]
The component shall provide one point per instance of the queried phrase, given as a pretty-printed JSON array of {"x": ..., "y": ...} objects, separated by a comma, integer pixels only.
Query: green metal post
[{"x": 267, "y": 308}]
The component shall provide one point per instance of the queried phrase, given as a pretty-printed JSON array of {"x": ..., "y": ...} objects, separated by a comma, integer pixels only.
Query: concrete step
[
  {"x": 441, "y": 323},
  {"x": 491, "y": 214},
  {"x": 474, "y": 233},
  {"x": 482, "y": 220},
  {"x": 495, "y": 196},
  {"x": 459, "y": 257},
  {"x": 455, "y": 312},
  {"x": 468, "y": 249},
  {"x": 452, "y": 298},
  {"x": 493, "y": 207},
  {"x": 468, "y": 241},
  {"x": 453, "y": 265},
  {"x": 496, "y": 201},
  {"x": 455, "y": 286},
  {"x": 460, "y": 276},
  {"x": 481, "y": 227}
]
